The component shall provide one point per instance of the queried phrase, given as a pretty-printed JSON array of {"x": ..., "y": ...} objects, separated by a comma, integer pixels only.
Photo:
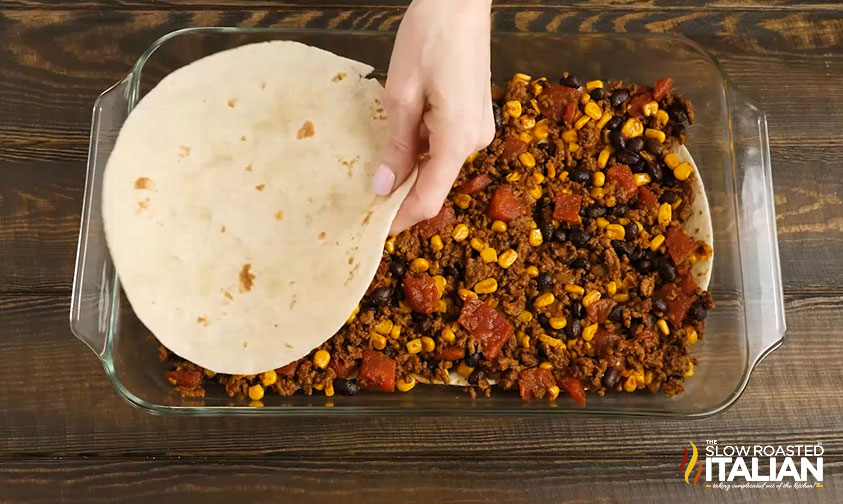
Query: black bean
[
  {"x": 635, "y": 144},
  {"x": 622, "y": 247},
  {"x": 667, "y": 271},
  {"x": 619, "y": 96},
  {"x": 627, "y": 157},
  {"x": 573, "y": 329},
  {"x": 498, "y": 115},
  {"x": 595, "y": 211},
  {"x": 697, "y": 311},
  {"x": 425, "y": 326},
  {"x": 450, "y": 271},
  {"x": 546, "y": 228},
  {"x": 473, "y": 360},
  {"x": 617, "y": 140},
  {"x": 544, "y": 202},
  {"x": 549, "y": 148},
  {"x": 390, "y": 352},
  {"x": 579, "y": 237},
  {"x": 544, "y": 281},
  {"x": 650, "y": 320},
  {"x": 579, "y": 175},
  {"x": 545, "y": 322},
  {"x": 598, "y": 94},
  {"x": 677, "y": 112},
  {"x": 614, "y": 123},
  {"x": 570, "y": 81},
  {"x": 460, "y": 270},
  {"x": 560, "y": 235},
  {"x": 578, "y": 310},
  {"x": 398, "y": 266},
  {"x": 639, "y": 166},
  {"x": 644, "y": 266},
  {"x": 368, "y": 305},
  {"x": 669, "y": 197},
  {"x": 668, "y": 180},
  {"x": 656, "y": 172},
  {"x": 620, "y": 210},
  {"x": 631, "y": 231},
  {"x": 659, "y": 305},
  {"x": 345, "y": 387},
  {"x": 616, "y": 315},
  {"x": 476, "y": 376},
  {"x": 580, "y": 263},
  {"x": 637, "y": 254},
  {"x": 459, "y": 211},
  {"x": 611, "y": 378},
  {"x": 676, "y": 129},
  {"x": 653, "y": 146}
]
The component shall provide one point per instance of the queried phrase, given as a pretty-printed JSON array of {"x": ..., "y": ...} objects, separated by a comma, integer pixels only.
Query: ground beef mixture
[{"x": 558, "y": 263}]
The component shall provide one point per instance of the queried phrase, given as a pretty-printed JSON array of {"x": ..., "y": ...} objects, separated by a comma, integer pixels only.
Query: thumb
[{"x": 398, "y": 156}]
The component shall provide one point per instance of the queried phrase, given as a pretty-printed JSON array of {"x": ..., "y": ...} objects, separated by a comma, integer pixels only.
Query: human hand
[{"x": 438, "y": 99}]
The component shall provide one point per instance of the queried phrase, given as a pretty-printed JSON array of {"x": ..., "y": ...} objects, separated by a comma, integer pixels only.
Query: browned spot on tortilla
[
  {"x": 306, "y": 130},
  {"x": 276, "y": 325},
  {"x": 263, "y": 84},
  {"x": 260, "y": 187},
  {"x": 232, "y": 102},
  {"x": 351, "y": 260},
  {"x": 368, "y": 217},
  {"x": 248, "y": 167},
  {"x": 243, "y": 138},
  {"x": 222, "y": 229},
  {"x": 337, "y": 243},
  {"x": 184, "y": 151},
  {"x": 245, "y": 344},
  {"x": 292, "y": 282},
  {"x": 293, "y": 301},
  {"x": 227, "y": 295},
  {"x": 287, "y": 345},
  {"x": 351, "y": 274},
  {"x": 203, "y": 321},
  {"x": 247, "y": 279},
  {"x": 143, "y": 205},
  {"x": 279, "y": 215},
  {"x": 340, "y": 76},
  {"x": 349, "y": 164},
  {"x": 144, "y": 183},
  {"x": 322, "y": 235}
]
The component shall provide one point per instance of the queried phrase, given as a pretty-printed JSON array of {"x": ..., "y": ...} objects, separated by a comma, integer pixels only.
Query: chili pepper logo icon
[{"x": 690, "y": 467}]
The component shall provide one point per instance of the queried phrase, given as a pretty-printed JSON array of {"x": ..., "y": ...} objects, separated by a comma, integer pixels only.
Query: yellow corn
[
  {"x": 527, "y": 122},
  {"x": 683, "y": 171},
  {"x": 558, "y": 322},
  {"x": 471, "y": 157},
  {"x": 550, "y": 340},
  {"x": 486, "y": 286},
  {"x": 550, "y": 169},
  {"x": 602, "y": 223},
  {"x": 524, "y": 340},
  {"x": 442, "y": 305},
  {"x": 650, "y": 108},
  {"x": 662, "y": 118},
  {"x": 647, "y": 156},
  {"x": 569, "y": 135},
  {"x": 541, "y": 129},
  {"x": 665, "y": 214},
  {"x": 477, "y": 244},
  {"x": 414, "y": 345},
  {"x": 527, "y": 160},
  {"x": 546, "y": 365},
  {"x": 581, "y": 122},
  {"x": 513, "y": 177},
  {"x": 545, "y": 299},
  {"x": 489, "y": 255},
  {"x": 383, "y": 327},
  {"x": 513, "y": 108},
  {"x": 623, "y": 221},
  {"x": 440, "y": 282},
  {"x": 464, "y": 370},
  {"x": 620, "y": 298},
  {"x": 318, "y": 386},
  {"x": 522, "y": 77},
  {"x": 419, "y": 265},
  {"x": 640, "y": 226},
  {"x": 691, "y": 335},
  {"x": 662, "y": 325},
  {"x": 405, "y": 386},
  {"x": 466, "y": 294},
  {"x": 395, "y": 333},
  {"x": 436, "y": 243},
  {"x": 402, "y": 306},
  {"x": 525, "y": 136},
  {"x": 671, "y": 160},
  {"x": 596, "y": 192},
  {"x": 563, "y": 176},
  {"x": 329, "y": 389},
  {"x": 532, "y": 271},
  {"x": 428, "y": 345},
  {"x": 460, "y": 232},
  {"x": 611, "y": 288},
  {"x": 690, "y": 372},
  {"x": 629, "y": 385},
  {"x": 593, "y": 84},
  {"x": 321, "y": 359},
  {"x": 585, "y": 98},
  {"x": 632, "y": 128},
  {"x": 573, "y": 147},
  {"x": 654, "y": 133},
  {"x": 390, "y": 245},
  {"x": 537, "y": 89},
  {"x": 499, "y": 226},
  {"x": 656, "y": 242},
  {"x": 590, "y": 298},
  {"x": 538, "y": 177},
  {"x": 615, "y": 232},
  {"x": 552, "y": 392},
  {"x": 209, "y": 373},
  {"x": 535, "y": 237},
  {"x": 641, "y": 178},
  {"x": 603, "y": 157},
  {"x": 353, "y": 314},
  {"x": 604, "y": 119},
  {"x": 507, "y": 258},
  {"x": 448, "y": 335},
  {"x": 676, "y": 203},
  {"x": 574, "y": 289},
  {"x": 256, "y": 392},
  {"x": 378, "y": 341},
  {"x": 598, "y": 178},
  {"x": 536, "y": 192},
  {"x": 269, "y": 378},
  {"x": 462, "y": 200},
  {"x": 593, "y": 110},
  {"x": 588, "y": 332}
]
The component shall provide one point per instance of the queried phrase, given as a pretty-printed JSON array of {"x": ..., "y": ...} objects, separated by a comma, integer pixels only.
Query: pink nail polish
[{"x": 383, "y": 181}]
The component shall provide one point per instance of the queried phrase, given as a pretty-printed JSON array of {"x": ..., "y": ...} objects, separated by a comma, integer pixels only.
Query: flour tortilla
[{"x": 237, "y": 203}]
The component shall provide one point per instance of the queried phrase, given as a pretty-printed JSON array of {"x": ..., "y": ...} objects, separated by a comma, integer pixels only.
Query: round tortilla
[{"x": 237, "y": 203}]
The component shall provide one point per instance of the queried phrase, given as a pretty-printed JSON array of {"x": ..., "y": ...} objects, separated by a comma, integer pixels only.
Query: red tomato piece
[
  {"x": 343, "y": 368},
  {"x": 662, "y": 88},
  {"x": 184, "y": 377},
  {"x": 505, "y": 204},
  {"x": 566, "y": 207},
  {"x": 570, "y": 113},
  {"x": 377, "y": 372},
  {"x": 450, "y": 353},
  {"x": 289, "y": 370},
  {"x": 622, "y": 176},
  {"x": 437, "y": 223},
  {"x": 646, "y": 199},
  {"x": 598, "y": 311},
  {"x": 421, "y": 294},
  {"x": 678, "y": 302},
  {"x": 475, "y": 185},
  {"x": 557, "y": 102},
  {"x": 687, "y": 285},
  {"x": 486, "y": 325},
  {"x": 532, "y": 382},
  {"x": 574, "y": 387},
  {"x": 512, "y": 147},
  {"x": 679, "y": 244},
  {"x": 604, "y": 341},
  {"x": 636, "y": 104}
]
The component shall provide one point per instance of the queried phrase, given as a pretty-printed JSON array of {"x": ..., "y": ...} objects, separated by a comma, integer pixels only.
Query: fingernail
[{"x": 383, "y": 181}]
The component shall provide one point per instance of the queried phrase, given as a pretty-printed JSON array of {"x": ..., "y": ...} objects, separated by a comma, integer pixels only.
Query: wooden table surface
[{"x": 66, "y": 436}]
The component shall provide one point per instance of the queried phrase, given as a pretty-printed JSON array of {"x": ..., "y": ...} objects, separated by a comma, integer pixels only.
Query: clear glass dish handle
[
  {"x": 93, "y": 278},
  {"x": 757, "y": 224}
]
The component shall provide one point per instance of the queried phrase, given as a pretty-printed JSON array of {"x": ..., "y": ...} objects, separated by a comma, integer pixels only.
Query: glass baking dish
[{"x": 729, "y": 143}]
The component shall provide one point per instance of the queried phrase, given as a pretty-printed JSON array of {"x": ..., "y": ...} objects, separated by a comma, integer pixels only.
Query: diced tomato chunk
[
  {"x": 604, "y": 341},
  {"x": 512, "y": 147},
  {"x": 678, "y": 302},
  {"x": 574, "y": 387},
  {"x": 679, "y": 244},
  {"x": 377, "y": 372},
  {"x": 646, "y": 334},
  {"x": 505, "y": 204},
  {"x": 636, "y": 104},
  {"x": 450, "y": 353},
  {"x": 289, "y": 370},
  {"x": 566, "y": 207},
  {"x": 184, "y": 377},
  {"x": 475, "y": 184},
  {"x": 421, "y": 294},
  {"x": 662, "y": 88},
  {"x": 598, "y": 311},
  {"x": 343, "y": 368},
  {"x": 646, "y": 199},
  {"x": 687, "y": 285},
  {"x": 532, "y": 382},
  {"x": 622, "y": 176},
  {"x": 486, "y": 325},
  {"x": 557, "y": 102},
  {"x": 437, "y": 223}
]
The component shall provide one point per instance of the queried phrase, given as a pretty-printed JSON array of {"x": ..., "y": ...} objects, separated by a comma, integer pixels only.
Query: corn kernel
[
  {"x": 558, "y": 322},
  {"x": 593, "y": 110},
  {"x": 462, "y": 200},
  {"x": 574, "y": 289},
  {"x": 525, "y": 137},
  {"x": 524, "y": 340},
  {"x": 683, "y": 171},
  {"x": 513, "y": 108},
  {"x": 436, "y": 243},
  {"x": 532, "y": 271},
  {"x": 581, "y": 122},
  {"x": 405, "y": 386},
  {"x": 662, "y": 118},
  {"x": 471, "y": 157},
  {"x": 513, "y": 177},
  {"x": 541, "y": 130},
  {"x": 527, "y": 122},
  {"x": 573, "y": 147},
  {"x": 640, "y": 226},
  {"x": 640, "y": 379},
  {"x": 546, "y": 365},
  {"x": 603, "y": 157},
  {"x": 535, "y": 237},
  {"x": 647, "y": 156},
  {"x": 589, "y": 331},
  {"x": 632, "y": 128},
  {"x": 629, "y": 385},
  {"x": 440, "y": 282},
  {"x": 623, "y": 221},
  {"x": 329, "y": 389},
  {"x": 395, "y": 333},
  {"x": 460, "y": 232},
  {"x": 390, "y": 245},
  {"x": 654, "y": 133},
  {"x": 671, "y": 160},
  {"x": 604, "y": 119},
  {"x": 537, "y": 88},
  {"x": 477, "y": 244},
  {"x": 593, "y": 84},
  {"x": 650, "y": 108},
  {"x": 383, "y": 327},
  {"x": 256, "y": 392},
  {"x": 489, "y": 255},
  {"x": 598, "y": 178},
  {"x": 596, "y": 192},
  {"x": 538, "y": 177},
  {"x": 525, "y": 316},
  {"x": 269, "y": 378},
  {"x": 499, "y": 226},
  {"x": 536, "y": 192},
  {"x": 552, "y": 392},
  {"x": 551, "y": 169},
  {"x": 442, "y": 305},
  {"x": 662, "y": 325},
  {"x": 545, "y": 299},
  {"x": 611, "y": 288},
  {"x": 464, "y": 370},
  {"x": 585, "y": 98},
  {"x": 656, "y": 242},
  {"x": 402, "y": 306},
  {"x": 318, "y": 386},
  {"x": 535, "y": 105},
  {"x": 615, "y": 232},
  {"x": 378, "y": 341},
  {"x": 521, "y": 77},
  {"x": 507, "y": 258},
  {"x": 448, "y": 335},
  {"x": 690, "y": 372},
  {"x": 676, "y": 203},
  {"x": 550, "y": 340},
  {"x": 563, "y": 176},
  {"x": 620, "y": 298},
  {"x": 570, "y": 136},
  {"x": 486, "y": 286},
  {"x": 414, "y": 345},
  {"x": 419, "y": 265},
  {"x": 641, "y": 178},
  {"x": 590, "y": 298},
  {"x": 321, "y": 359},
  {"x": 209, "y": 373},
  {"x": 466, "y": 294},
  {"x": 665, "y": 214},
  {"x": 602, "y": 222},
  {"x": 353, "y": 314},
  {"x": 691, "y": 335},
  {"x": 428, "y": 345}
]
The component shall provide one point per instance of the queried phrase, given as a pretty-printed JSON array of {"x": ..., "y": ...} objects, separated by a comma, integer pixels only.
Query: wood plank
[
  {"x": 57, "y": 402},
  {"x": 254, "y": 479}
]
